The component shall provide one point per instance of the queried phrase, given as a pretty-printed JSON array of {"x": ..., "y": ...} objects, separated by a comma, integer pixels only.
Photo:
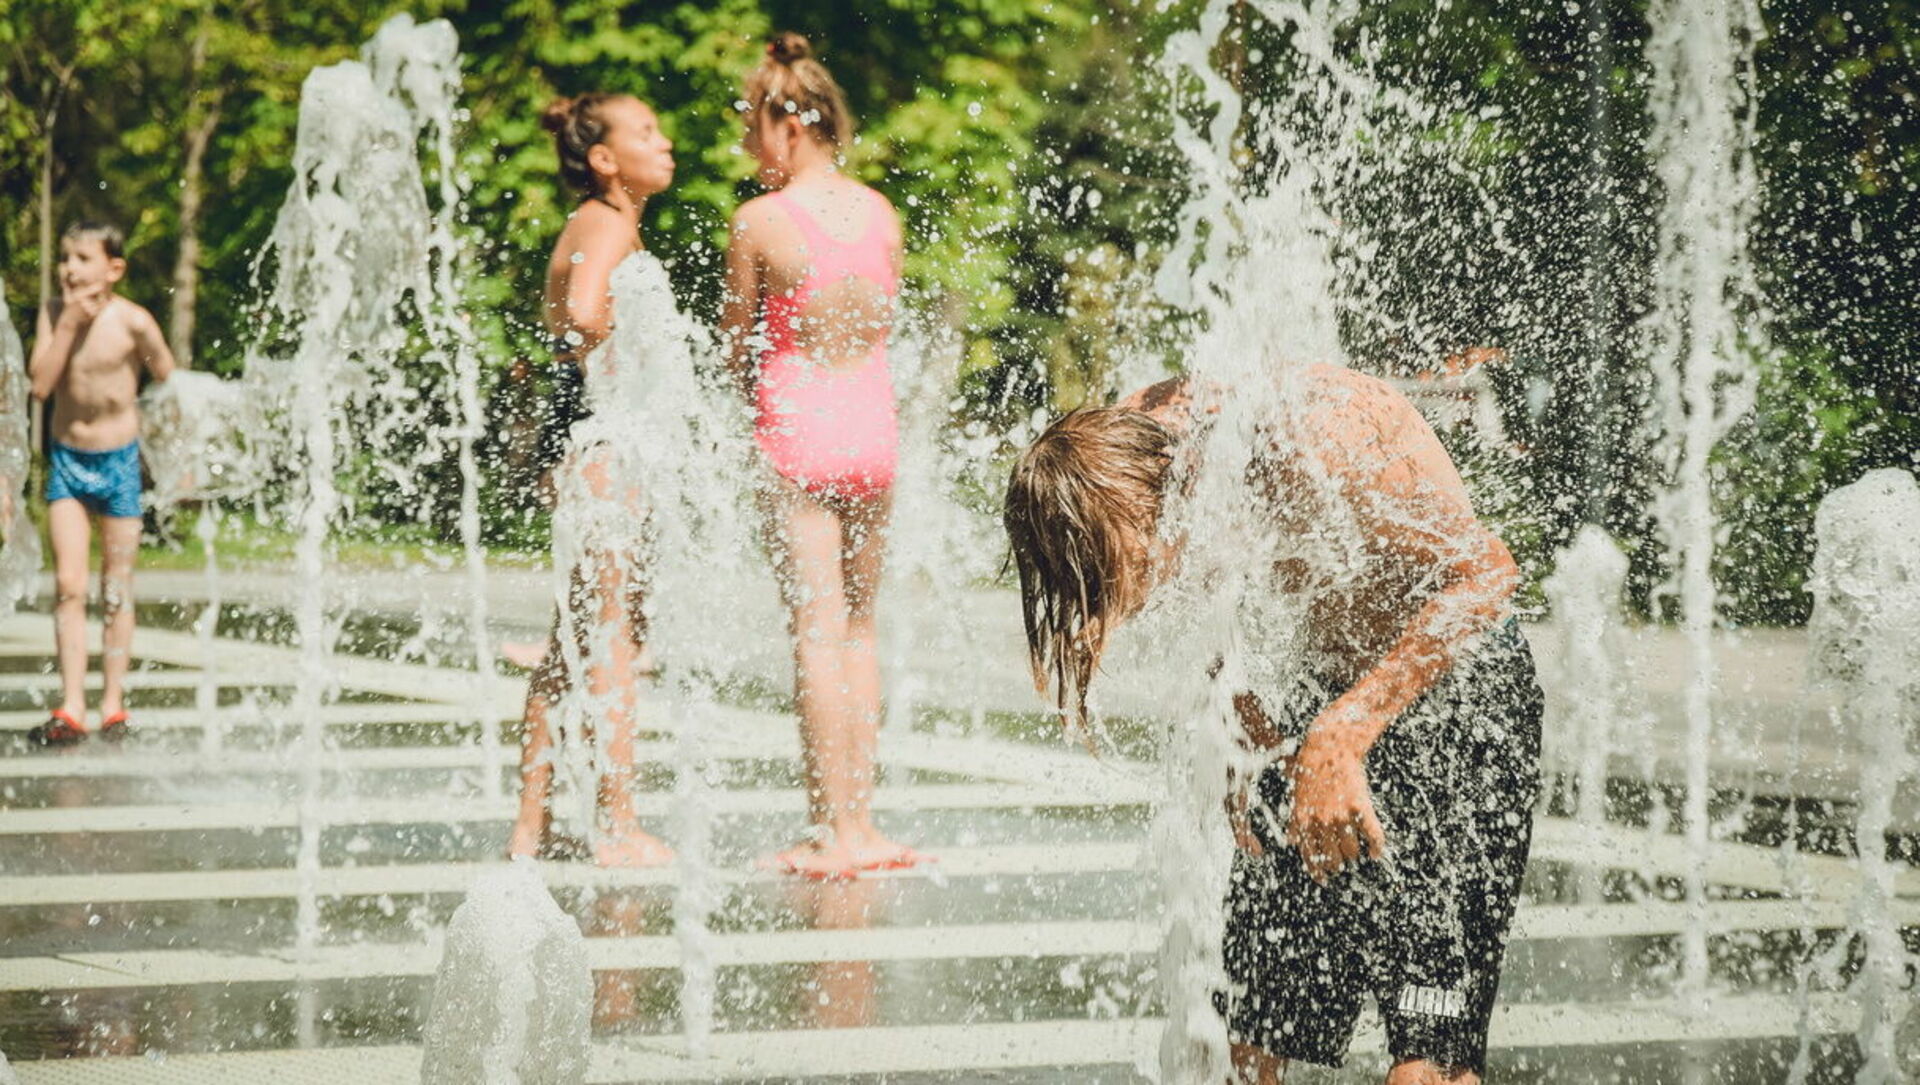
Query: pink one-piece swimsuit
[{"x": 832, "y": 431}]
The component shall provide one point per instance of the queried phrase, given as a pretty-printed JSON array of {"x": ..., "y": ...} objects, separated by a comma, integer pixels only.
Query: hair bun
[
  {"x": 788, "y": 47},
  {"x": 558, "y": 114}
]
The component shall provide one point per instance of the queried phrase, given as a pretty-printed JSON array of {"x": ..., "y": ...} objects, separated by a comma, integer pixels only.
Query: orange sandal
[
  {"x": 115, "y": 727},
  {"x": 61, "y": 729}
]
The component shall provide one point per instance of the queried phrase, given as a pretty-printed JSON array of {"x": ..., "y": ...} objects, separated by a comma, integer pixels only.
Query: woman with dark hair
[
  {"x": 813, "y": 268},
  {"x": 614, "y": 155}
]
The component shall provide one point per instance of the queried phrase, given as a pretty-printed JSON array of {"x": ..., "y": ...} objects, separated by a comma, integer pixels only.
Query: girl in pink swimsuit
[{"x": 813, "y": 269}]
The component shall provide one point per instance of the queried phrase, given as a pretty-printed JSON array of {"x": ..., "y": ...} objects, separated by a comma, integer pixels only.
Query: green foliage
[{"x": 1026, "y": 144}]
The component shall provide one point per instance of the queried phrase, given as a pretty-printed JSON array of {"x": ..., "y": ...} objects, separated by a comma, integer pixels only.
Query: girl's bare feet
[
  {"x": 872, "y": 851},
  {"x": 632, "y": 849},
  {"x": 525, "y": 838},
  {"x": 843, "y": 854},
  {"x": 523, "y": 653},
  {"x": 824, "y": 861}
]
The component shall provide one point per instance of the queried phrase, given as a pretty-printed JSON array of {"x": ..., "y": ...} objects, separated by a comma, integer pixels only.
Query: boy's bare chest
[{"x": 106, "y": 356}]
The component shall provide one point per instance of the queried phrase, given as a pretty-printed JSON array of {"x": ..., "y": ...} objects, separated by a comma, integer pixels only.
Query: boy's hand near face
[{"x": 79, "y": 307}]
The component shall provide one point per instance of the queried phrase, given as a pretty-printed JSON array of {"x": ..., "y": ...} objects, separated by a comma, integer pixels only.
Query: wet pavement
[{"x": 149, "y": 902}]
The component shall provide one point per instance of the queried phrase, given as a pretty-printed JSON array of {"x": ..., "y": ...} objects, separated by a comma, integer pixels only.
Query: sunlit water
[{"x": 1119, "y": 919}]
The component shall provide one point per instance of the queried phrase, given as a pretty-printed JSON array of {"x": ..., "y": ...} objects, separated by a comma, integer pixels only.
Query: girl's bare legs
[
  {"x": 609, "y": 605},
  {"x": 829, "y": 561},
  {"x": 546, "y": 685},
  {"x": 613, "y": 679},
  {"x": 863, "y": 542},
  {"x": 606, "y": 621}
]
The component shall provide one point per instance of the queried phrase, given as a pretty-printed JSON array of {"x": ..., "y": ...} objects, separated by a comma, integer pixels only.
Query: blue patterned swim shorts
[{"x": 107, "y": 483}]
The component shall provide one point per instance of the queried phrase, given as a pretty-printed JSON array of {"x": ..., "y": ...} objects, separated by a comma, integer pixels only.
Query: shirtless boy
[
  {"x": 91, "y": 347},
  {"x": 1382, "y": 845}
]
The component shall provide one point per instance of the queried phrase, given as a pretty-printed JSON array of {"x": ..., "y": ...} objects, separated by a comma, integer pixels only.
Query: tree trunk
[
  {"x": 64, "y": 78},
  {"x": 46, "y": 213},
  {"x": 201, "y": 121}
]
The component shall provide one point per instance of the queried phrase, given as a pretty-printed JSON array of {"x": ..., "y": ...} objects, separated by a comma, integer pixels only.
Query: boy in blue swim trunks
[{"x": 91, "y": 348}]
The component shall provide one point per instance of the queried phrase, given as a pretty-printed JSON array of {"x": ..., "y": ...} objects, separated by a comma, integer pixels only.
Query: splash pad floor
[{"x": 147, "y": 904}]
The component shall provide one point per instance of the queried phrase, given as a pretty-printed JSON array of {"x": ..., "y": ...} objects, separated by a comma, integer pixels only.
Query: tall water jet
[
  {"x": 1585, "y": 592},
  {"x": 352, "y": 246},
  {"x": 19, "y": 539},
  {"x": 1865, "y": 636},
  {"x": 697, "y": 551},
  {"x": 1269, "y": 264},
  {"x": 1702, "y": 102},
  {"x": 198, "y": 441},
  {"x": 419, "y": 64}
]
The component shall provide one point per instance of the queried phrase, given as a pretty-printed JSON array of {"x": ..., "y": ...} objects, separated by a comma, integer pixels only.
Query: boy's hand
[
  {"x": 1333, "y": 822},
  {"x": 77, "y": 310}
]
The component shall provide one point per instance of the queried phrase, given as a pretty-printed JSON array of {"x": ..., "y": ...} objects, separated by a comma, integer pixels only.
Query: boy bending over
[
  {"x": 91, "y": 347},
  {"x": 1382, "y": 845}
]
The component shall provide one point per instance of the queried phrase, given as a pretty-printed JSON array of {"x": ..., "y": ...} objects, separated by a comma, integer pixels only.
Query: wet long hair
[
  {"x": 1082, "y": 509},
  {"x": 789, "y": 82},
  {"x": 577, "y": 124}
]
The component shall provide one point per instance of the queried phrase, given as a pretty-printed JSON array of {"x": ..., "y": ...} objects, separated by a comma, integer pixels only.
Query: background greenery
[{"x": 1026, "y": 143}]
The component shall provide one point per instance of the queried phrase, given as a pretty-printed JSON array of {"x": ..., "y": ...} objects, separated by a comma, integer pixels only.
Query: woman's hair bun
[
  {"x": 558, "y": 114},
  {"x": 788, "y": 47}
]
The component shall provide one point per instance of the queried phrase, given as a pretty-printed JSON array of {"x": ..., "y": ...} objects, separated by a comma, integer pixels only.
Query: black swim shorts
[{"x": 1424, "y": 930}]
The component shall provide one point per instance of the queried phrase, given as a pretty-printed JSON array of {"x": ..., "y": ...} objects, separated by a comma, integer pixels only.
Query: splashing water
[
  {"x": 1701, "y": 100},
  {"x": 20, "y": 547},
  {"x": 1266, "y": 264},
  {"x": 1866, "y": 642},
  {"x": 1585, "y": 592},
  {"x": 354, "y": 248},
  {"x": 513, "y": 1000},
  {"x": 692, "y": 471},
  {"x": 419, "y": 64}
]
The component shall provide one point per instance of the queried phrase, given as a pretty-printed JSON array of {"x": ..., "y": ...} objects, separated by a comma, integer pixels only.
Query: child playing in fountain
[
  {"x": 1384, "y": 836},
  {"x": 813, "y": 272},
  {"x": 91, "y": 348},
  {"x": 613, "y": 153}
]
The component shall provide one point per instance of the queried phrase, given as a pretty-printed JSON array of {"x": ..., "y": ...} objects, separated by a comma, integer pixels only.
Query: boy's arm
[
  {"x": 55, "y": 336},
  {"x": 1413, "y": 504},
  {"x": 151, "y": 347}
]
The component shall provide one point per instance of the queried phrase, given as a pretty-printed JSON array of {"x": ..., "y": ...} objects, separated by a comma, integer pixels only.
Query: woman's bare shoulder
[{"x": 594, "y": 232}]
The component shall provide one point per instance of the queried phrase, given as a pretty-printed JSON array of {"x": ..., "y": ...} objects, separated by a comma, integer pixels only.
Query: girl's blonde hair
[
  {"x": 1081, "y": 512},
  {"x": 790, "y": 82}
]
